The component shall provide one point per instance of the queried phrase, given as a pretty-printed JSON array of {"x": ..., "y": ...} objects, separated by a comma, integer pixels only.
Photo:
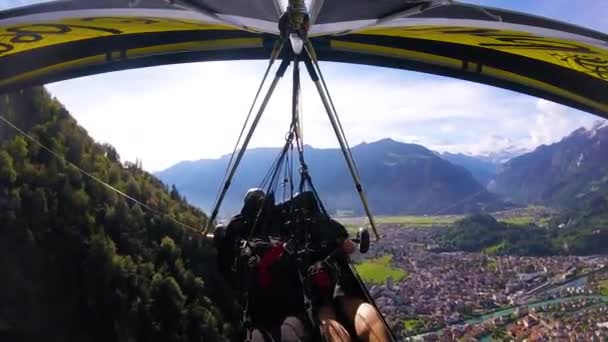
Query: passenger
[
  {"x": 258, "y": 269},
  {"x": 331, "y": 287}
]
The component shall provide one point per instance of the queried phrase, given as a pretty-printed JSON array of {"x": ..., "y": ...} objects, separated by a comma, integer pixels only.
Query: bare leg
[
  {"x": 293, "y": 330},
  {"x": 366, "y": 320},
  {"x": 330, "y": 327},
  {"x": 256, "y": 336}
]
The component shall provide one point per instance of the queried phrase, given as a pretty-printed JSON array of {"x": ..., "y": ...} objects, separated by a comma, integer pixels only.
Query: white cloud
[
  {"x": 167, "y": 114},
  {"x": 484, "y": 146},
  {"x": 544, "y": 122},
  {"x": 553, "y": 122},
  {"x": 172, "y": 113}
]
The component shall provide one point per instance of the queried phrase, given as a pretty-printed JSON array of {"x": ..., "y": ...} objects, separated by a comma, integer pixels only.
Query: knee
[
  {"x": 256, "y": 336},
  {"x": 293, "y": 330},
  {"x": 330, "y": 328},
  {"x": 369, "y": 325}
]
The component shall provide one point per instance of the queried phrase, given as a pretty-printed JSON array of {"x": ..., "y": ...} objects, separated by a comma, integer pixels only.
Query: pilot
[
  {"x": 258, "y": 268},
  {"x": 333, "y": 289},
  {"x": 227, "y": 239}
]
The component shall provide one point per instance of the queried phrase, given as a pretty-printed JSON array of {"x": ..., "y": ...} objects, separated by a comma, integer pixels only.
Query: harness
[{"x": 296, "y": 240}]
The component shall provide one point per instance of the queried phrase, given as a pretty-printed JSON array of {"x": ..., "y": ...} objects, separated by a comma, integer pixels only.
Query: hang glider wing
[{"x": 529, "y": 54}]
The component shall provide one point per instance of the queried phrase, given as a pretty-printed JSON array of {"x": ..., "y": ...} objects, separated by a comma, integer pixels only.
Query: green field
[
  {"x": 412, "y": 324},
  {"x": 352, "y": 224},
  {"x": 412, "y": 220},
  {"x": 377, "y": 271},
  {"x": 519, "y": 216},
  {"x": 494, "y": 249},
  {"x": 492, "y": 265},
  {"x": 533, "y": 214},
  {"x": 603, "y": 287},
  {"x": 519, "y": 220}
]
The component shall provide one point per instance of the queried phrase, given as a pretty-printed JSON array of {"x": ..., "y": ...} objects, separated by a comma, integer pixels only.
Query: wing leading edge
[{"x": 545, "y": 58}]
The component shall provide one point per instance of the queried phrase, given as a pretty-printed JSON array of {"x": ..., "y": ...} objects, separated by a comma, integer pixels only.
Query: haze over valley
[
  {"x": 402, "y": 178},
  {"x": 399, "y": 178}
]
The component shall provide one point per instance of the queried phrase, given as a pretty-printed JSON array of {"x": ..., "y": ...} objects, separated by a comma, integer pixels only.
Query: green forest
[
  {"x": 82, "y": 263},
  {"x": 581, "y": 231}
]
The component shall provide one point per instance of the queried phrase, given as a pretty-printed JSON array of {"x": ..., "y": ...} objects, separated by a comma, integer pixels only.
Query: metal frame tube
[
  {"x": 315, "y": 63},
  {"x": 279, "y": 74},
  {"x": 343, "y": 145}
]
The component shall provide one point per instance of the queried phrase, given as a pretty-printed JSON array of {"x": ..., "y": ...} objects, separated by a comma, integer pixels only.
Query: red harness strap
[
  {"x": 322, "y": 280},
  {"x": 267, "y": 260}
]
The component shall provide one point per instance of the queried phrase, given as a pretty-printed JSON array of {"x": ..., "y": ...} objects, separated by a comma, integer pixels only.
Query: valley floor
[{"x": 447, "y": 296}]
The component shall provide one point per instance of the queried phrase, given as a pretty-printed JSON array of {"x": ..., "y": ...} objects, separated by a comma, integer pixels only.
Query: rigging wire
[
  {"x": 291, "y": 172},
  {"x": 300, "y": 116},
  {"x": 272, "y": 184},
  {"x": 286, "y": 176},
  {"x": 277, "y": 48},
  {"x": 315, "y": 62},
  {"x": 91, "y": 176},
  {"x": 281, "y": 163},
  {"x": 305, "y": 178},
  {"x": 264, "y": 182},
  {"x": 297, "y": 122},
  {"x": 278, "y": 75},
  {"x": 332, "y": 115}
]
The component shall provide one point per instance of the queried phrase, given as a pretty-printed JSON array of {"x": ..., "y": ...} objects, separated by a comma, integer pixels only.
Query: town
[{"x": 453, "y": 295}]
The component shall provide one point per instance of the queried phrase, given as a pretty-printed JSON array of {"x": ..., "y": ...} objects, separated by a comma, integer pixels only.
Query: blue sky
[{"x": 171, "y": 113}]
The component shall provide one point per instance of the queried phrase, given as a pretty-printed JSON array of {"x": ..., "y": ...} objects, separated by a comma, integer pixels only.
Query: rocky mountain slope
[
  {"x": 562, "y": 174},
  {"x": 399, "y": 178}
]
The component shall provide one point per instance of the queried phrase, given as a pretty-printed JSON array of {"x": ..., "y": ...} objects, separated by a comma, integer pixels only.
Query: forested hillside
[
  {"x": 583, "y": 232},
  {"x": 80, "y": 262}
]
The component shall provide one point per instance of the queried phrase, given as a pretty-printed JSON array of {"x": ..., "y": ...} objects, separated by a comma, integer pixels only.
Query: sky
[{"x": 163, "y": 115}]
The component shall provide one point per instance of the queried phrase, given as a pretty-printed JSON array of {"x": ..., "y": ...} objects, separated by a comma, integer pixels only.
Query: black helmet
[
  {"x": 254, "y": 194},
  {"x": 254, "y": 198},
  {"x": 306, "y": 200},
  {"x": 219, "y": 234}
]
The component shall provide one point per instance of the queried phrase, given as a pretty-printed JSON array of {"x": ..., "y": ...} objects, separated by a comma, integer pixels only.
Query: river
[
  {"x": 509, "y": 311},
  {"x": 506, "y": 312}
]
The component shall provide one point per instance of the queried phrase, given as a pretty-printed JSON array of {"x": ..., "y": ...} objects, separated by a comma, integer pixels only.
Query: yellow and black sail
[{"x": 529, "y": 54}]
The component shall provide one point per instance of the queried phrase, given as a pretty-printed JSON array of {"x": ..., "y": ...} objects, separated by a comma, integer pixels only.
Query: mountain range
[
  {"x": 398, "y": 178},
  {"x": 561, "y": 174},
  {"x": 402, "y": 178},
  {"x": 482, "y": 169}
]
